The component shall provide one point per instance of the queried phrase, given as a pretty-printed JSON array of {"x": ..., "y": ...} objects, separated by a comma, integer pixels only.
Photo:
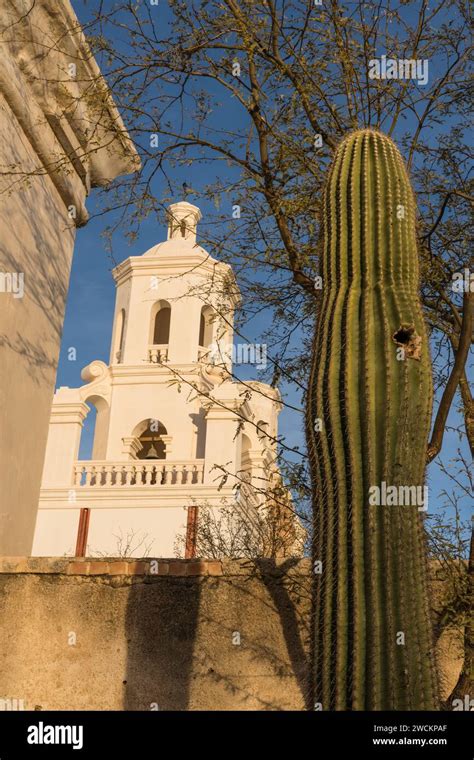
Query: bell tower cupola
[
  {"x": 175, "y": 303},
  {"x": 183, "y": 219}
]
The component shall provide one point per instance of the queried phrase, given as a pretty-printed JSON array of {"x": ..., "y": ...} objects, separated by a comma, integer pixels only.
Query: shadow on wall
[
  {"x": 36, "y": 248},
  {"x": 160, "y": 626},
  {"x": 233, "y": 641},
  {"x": 288, "y": 593},
  {"x": 27, "y": 242}
]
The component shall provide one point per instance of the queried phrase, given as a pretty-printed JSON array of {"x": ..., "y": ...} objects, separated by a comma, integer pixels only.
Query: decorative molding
[
  {"x": 199, "y": 262},
  {"x": 167, "y": 440},
  {"x": 131, "y": 446},
  {"x": 67, "y": 115},
  {"x": 64, "y": 413},
  {"x": 95, "y": 372},
  {"x": 148, "y": 497}
]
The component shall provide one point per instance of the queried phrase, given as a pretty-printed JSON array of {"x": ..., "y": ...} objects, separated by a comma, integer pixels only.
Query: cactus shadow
[{"x": 295, "y": 627}]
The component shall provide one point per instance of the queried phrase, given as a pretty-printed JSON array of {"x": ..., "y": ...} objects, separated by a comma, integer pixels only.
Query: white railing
[
  {"x": 138, "y": 473},
  {"x": 158, "y": 354}
]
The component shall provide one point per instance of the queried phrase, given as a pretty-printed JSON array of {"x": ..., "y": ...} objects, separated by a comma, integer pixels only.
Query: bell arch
[
  {"x": 206, "y": 327},
  {"x": 160, "y": 323},
  {"x": 153, "y": 437},
  {"x": 261, "y": 429}
]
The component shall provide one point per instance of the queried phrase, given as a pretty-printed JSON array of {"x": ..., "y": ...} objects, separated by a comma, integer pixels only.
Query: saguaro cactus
[{"x": 368, "y": 416}]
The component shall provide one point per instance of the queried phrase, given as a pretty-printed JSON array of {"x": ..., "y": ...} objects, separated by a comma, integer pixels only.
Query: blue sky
[{"x": 90, "y": 304}]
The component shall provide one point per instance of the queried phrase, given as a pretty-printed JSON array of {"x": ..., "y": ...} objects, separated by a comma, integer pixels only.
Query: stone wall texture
[
  {"x": 52, "y": 151},
  {"x": 157, "y": 634}
]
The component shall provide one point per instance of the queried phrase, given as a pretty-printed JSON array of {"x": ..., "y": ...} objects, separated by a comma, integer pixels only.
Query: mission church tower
[{"x": 173, "y": 430}]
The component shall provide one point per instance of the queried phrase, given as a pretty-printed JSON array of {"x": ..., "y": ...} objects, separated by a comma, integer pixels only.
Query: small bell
[{"x": 152, "y": 453}]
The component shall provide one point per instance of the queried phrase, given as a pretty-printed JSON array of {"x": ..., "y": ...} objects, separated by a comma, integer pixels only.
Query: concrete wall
[
  {"x": 195, "y": 635},
  {"x": 48, "y": 163},
  {"x": 37, "y": 243}
]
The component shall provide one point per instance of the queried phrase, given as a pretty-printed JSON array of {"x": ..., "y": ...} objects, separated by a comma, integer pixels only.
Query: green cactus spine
[{"x": 368, "y": 418}]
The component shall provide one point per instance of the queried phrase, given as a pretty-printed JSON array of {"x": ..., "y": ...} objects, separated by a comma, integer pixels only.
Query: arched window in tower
[
  {"x": 159, "y": 332},
  {"x": 151, "y": 439},
  {"x": 183, "y": 228},
  {"x": 262, "y": 433},
  {"x": 119, "y": 336},
  {"x": 205, "y": 327}
]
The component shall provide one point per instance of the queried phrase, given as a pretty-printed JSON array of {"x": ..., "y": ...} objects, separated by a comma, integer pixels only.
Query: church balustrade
[
  {"x": 158, "y": 354},
  {"x": 94, "y": 474}
]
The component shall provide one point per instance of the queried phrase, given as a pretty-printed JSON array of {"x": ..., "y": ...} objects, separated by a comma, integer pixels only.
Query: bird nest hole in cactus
[{"x": 407, "y": 337}]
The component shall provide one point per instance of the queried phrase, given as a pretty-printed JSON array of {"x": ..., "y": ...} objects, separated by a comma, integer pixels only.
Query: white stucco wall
[{"x": 46, "y": 170}]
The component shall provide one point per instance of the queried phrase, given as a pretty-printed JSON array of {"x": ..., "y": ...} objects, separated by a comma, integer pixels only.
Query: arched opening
[
  {"x": 93, "y": 444},
  {"x": 87, "y": 434},
  {"x": 160, "y": 324},
  {"x": 119, "y": 336},
  {"x": 262, "y": 433},
  {"x": 205, "y": 327},
  {"x": 150, "y": 435}
]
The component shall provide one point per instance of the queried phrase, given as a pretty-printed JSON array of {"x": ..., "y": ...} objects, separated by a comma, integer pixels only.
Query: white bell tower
[
  {"x": 170, "y": 420},
  {"x": 173, "y": 298}
]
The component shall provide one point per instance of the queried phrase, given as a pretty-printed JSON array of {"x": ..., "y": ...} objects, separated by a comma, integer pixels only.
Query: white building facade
[{"x": 173, "y": 430}]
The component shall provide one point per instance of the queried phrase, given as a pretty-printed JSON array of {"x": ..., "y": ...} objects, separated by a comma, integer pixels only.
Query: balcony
[
  {"x": 138, "y": 473},
  {"x": 158, "y": 354},
  {"x": 134, "y": 483}
]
